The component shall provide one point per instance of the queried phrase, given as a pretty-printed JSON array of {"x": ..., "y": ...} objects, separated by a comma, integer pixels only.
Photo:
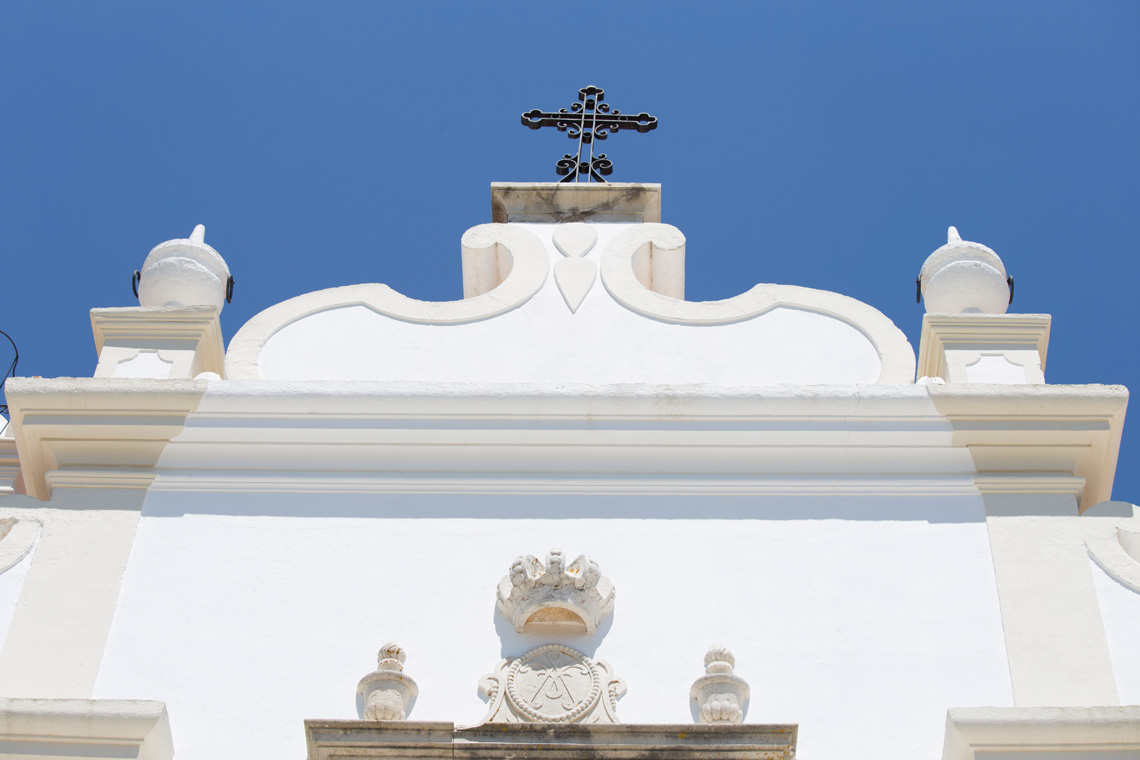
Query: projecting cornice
[
  {"x": 95, "y": 432},
  {"x": 383, "y": 436},
  {"x": 1023, "y": 432}
]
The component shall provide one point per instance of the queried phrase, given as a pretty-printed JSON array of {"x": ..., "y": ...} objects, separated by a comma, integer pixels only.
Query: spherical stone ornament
[
  {"x": 963, "y": 277},
  {"x": 184, "y": 272}
]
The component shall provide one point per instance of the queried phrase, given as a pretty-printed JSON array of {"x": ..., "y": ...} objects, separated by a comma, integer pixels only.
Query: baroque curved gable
[{"x": 613, "y": 312}]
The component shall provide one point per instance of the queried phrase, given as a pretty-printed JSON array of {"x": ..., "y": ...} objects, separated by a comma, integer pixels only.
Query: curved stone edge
[
  {"x": 18, "y": 542},
  {"x": 530, "y": 265},
  {"x": 617, "y": 267},
  {"x": 1110, "y": 556}
]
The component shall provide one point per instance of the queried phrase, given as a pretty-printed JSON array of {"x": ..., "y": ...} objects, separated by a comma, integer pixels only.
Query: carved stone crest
[
  {"x": 552, "y": 684},
  {"x": 553, "y": 598}
]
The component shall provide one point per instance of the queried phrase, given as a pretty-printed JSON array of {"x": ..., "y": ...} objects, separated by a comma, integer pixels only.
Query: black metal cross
[{"x": 587, "y": 120}]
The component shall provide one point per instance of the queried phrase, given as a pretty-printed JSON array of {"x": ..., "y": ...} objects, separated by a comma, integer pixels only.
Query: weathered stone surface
[
  {"x": 328, "y": 739},
  {"x": 552, "y": 684},
  {"x": 721, "y": 696},
  {"x": 575, "y": 202},
  {"x": 554, "y": 598},
  {"x": 386, "y": 690}
]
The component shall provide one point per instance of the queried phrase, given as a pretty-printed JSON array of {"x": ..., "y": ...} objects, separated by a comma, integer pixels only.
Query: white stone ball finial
[
  {"x": 184, "y": 272},
  {"x": 963, "y": 277},
  {"x": 721, "y": 696}
]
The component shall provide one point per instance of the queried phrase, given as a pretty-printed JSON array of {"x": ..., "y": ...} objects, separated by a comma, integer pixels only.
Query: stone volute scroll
[
  {"x": 720, "y": 695},
  {"x": 386, "y": 690},
  {"x": 552, "y": 684},
  {"x": 554, "y": 598}
]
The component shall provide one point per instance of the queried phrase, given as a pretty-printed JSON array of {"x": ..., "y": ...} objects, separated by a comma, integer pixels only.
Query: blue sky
[{"x": 850, "y": 134}]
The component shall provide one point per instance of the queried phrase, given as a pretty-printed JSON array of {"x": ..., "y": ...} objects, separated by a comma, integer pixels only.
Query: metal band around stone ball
[{"x": 579, "y": 709}]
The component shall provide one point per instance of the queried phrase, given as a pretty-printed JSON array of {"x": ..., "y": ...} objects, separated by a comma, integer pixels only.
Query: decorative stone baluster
[
  {"x": 386, "y": 690},
  {"x": 721, "y": 695}
]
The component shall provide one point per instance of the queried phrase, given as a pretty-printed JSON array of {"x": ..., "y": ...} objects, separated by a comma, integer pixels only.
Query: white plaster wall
[
  {"x": 858, "y": 625},
  {"x": 1120, "y": 610},
  {"x": 11, "y": 584},
  {"x": 543, "y": 342}
]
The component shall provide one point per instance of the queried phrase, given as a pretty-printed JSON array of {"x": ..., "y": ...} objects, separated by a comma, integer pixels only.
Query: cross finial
[{"x": 587, "y": 120}]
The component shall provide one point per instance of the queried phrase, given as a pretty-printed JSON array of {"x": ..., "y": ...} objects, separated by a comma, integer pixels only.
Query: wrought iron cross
[{"x": 587, "y": 120}]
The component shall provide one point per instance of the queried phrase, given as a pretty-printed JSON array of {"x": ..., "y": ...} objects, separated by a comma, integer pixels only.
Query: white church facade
[{"x": 576, "y": 514}]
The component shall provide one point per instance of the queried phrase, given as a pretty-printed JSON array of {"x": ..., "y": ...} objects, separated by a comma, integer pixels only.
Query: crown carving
[{"x": 553, "y": 597}]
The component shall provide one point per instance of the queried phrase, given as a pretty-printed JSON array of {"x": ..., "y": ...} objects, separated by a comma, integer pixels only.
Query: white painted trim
[
  {"x": 55, "y": 642},
  {"x": 9, "y": 459},
  {"x": 79, "y": 729},
  {"x": 624, "y": 259},
  {"x": 122, "y": 477},
  {"x": 1063, "y": 733},
  {"x": 1107, "y": 550},
  {"x": 95, "y": 432},
  {"x": 1062, "y": 430},
  {"x": 1055, "y": 637},
  {"x": 1029, "y": 483},
  {"x": 196, "y": 329},
  {"x": 18, "y": 542},
  {"x": 980, "y": 333},
  {"x": 523, "y": 484},
  {"x": 529, "y": 268}
]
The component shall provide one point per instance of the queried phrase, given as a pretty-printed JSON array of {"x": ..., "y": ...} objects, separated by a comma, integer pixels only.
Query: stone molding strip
[
  {"x": 1061, "y": 733},
  {"x": 95, "y": 432},
  {"x": 329, "y": 739},
  {"x": 645, "y": 250},
  {"x": 530, "y": 265},
  {"x": 79, "y": 729}
]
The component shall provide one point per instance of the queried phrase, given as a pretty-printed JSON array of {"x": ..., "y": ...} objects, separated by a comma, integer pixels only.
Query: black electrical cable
[{"x": 11, "y": 370}]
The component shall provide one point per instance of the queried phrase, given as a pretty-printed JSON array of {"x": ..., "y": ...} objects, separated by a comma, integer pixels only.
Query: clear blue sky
[{"x": 852, "y": 134}]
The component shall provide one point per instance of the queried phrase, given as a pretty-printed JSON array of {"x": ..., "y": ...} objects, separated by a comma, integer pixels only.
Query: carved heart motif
[
  {"x": 574, "y": 240},
  {"x": 574, "y": 278}
]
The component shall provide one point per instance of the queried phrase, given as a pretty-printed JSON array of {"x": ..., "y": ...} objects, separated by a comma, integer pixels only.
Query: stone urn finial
[
  {"x": 184, "y": 272},
  {"x": 386, "y": 690},
  {"x": 963, "y": 277},
  {"x": 720, "y": 695}
]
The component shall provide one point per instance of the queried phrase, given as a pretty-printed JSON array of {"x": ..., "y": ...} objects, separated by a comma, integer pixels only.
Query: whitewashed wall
[{"x": 860, "y": 618}]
